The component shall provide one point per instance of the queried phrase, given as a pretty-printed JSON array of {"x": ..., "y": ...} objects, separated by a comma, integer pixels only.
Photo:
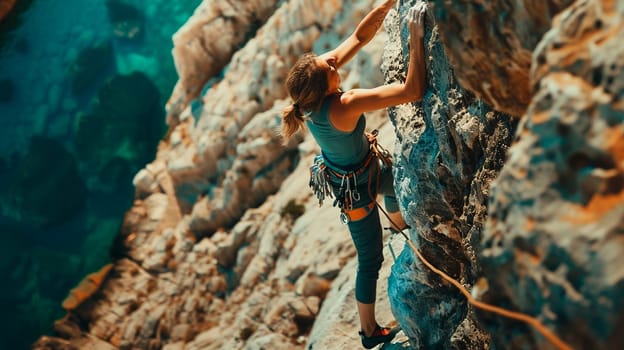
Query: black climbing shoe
[{"x": 380, "y": 335}]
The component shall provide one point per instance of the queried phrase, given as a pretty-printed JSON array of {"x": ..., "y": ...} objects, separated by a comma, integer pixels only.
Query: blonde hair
[{"x": 307, "y": 86}]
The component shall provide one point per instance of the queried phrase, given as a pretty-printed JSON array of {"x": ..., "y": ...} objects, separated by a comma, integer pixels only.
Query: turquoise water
[{"x": 82, "y": 91}]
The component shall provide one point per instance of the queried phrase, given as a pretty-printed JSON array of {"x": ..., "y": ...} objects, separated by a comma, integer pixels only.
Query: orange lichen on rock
[
  {"x": 601, "y": 204},
  {"x": 5, "y": 7},
  {"x": 530, "y": 259},
  {"x": 529, "y": 225},
  {"x": 597, "y": 207},
  {"x": 615, "y": 144},
  {"x": 86, "y": 288},
  {"x": 568, "y": 54},
  {"x": 539, "y": 118}
]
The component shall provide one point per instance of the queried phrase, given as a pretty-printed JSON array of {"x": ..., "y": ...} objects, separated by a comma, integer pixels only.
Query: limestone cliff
[
  {"x": 490, "y": 44},
  {"x": 553, "y": 241},
  {"x": 449, "y": 148},
  {"x": 510, "y": 173},
  {"x": 550, "y": 243},
  {"x": 206, "y": 43}
]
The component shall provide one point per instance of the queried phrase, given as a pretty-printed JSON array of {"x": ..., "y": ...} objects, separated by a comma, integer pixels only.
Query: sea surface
[{"x": 83, "y": 86}]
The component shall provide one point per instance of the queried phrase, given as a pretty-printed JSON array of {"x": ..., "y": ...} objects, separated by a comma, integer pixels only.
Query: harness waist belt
[
  {"x": 358, "y": 213},
  {"x": 357, "y": 171}
]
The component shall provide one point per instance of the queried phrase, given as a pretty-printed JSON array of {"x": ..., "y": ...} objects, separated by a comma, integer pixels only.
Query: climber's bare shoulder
[
  {"x": 358, "y": 101},
  {"x": 346, "y": 108}
]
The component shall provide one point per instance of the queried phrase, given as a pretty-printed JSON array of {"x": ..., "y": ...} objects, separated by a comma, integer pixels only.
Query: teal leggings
[{"x": 367, "y": 234}]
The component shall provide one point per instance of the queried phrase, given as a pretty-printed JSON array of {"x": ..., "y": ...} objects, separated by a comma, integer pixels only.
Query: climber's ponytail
[
  {"x": 292, "y": 121},
  {"x": 306, "y": 84}
]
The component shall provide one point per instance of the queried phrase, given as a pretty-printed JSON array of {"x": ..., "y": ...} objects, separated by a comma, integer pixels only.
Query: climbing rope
[{"x": 532, "y": 321}]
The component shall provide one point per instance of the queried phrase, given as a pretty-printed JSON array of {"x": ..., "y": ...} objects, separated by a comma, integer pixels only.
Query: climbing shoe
[{"x": 379, "y": 336}]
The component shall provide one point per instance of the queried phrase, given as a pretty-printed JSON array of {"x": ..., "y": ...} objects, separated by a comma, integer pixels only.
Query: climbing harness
[
  {"x": 321, "y": 180},
  {"x": 532, "y": 321}
]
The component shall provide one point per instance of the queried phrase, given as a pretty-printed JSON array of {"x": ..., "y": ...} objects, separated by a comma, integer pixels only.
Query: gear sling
[{"x": 324, "y": 176}]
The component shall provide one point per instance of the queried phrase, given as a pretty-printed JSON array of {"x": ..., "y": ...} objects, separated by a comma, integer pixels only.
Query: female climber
[{"x": 350, "y": 168}]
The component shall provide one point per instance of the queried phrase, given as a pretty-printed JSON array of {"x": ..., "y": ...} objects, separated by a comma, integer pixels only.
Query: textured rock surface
[
  {"x": 553, "y": 246},
  {"x": 206, "y": 43},
  {"x": 258, "y": 168},
  {"x": 490, "y": 45},
  {"x": 449, "y": 148}
]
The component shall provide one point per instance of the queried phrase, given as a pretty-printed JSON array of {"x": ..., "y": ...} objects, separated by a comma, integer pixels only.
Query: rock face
[
  {"x": 551, "y": 238},
  {"x": 206, "y": 43},
  {"x": 490, "y": 45},
  {"x": 449, "y": 148},
  {"x": 553, "y": 243},
  {"x": 254, "y": 168}
]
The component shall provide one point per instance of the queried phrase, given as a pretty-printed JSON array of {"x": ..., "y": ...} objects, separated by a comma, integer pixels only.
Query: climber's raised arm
[
  {"x": 353, "y": 103},
  {"x": 363, "y": 34}
]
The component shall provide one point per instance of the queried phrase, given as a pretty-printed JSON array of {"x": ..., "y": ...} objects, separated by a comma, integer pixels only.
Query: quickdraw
[
  {"x": 377, "y": 149},
  {"x": 319, "y": 180},
  {"x": 321, "y": 184}
]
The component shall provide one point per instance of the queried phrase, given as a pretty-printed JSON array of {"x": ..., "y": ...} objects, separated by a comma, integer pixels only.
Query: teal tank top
[{"x": 345, "y": 150}]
